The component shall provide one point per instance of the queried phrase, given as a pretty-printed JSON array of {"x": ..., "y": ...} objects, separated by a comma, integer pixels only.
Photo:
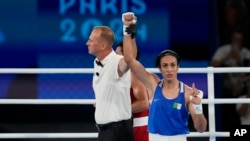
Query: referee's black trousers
[{"x": 116, "y": 131}]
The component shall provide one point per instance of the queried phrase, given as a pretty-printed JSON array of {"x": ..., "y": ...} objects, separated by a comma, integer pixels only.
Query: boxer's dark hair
[{"x": 165, "y": 53}]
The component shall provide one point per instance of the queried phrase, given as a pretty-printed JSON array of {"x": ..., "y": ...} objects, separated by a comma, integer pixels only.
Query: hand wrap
[
  {"x": 198, "y": 107},
  {"x": 131, "y": 29}
]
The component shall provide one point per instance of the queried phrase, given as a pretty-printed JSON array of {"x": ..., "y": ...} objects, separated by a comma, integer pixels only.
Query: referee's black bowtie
[{"x": 99, "y": 63}]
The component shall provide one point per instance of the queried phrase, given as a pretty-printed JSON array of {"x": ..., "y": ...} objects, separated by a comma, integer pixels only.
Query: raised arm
[{"x": 129, "y": 46}]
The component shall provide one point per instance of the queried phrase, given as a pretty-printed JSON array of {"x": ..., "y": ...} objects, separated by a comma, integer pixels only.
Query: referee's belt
[{"x": 103, "y": 127}]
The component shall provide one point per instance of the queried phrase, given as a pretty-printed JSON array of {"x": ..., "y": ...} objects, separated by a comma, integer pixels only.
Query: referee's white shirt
[{"x": 112, "y": 92}]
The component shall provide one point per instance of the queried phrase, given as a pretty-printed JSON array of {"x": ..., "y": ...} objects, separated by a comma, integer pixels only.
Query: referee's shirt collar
[{"x": 105, "y": 60}]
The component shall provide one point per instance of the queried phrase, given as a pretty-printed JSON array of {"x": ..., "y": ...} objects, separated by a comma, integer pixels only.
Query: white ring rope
[
  {"x": 46, "y": 135},
  {"x": 91, "y": 70},
  {"x": 91, "y": 101},
  {"x": 47, "y": 101},
  {"x": 211, "y": 101},
  {"x": 85, "y": 135},
  {"x": 46, "y": 70}
]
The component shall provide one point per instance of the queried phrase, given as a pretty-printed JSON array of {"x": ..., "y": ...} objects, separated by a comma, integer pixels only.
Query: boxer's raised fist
[{"x": 128, "y": 18}]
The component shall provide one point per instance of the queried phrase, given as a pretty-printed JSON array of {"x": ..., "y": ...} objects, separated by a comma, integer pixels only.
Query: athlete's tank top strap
[
  {"x": 181, "y": 85},
  {"x": 160, "y": 84}
]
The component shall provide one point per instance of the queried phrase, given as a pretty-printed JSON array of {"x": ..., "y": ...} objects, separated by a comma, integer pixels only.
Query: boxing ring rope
[
  {"x": 84, "y": 135},
  {"x": 211, "y": 101}
]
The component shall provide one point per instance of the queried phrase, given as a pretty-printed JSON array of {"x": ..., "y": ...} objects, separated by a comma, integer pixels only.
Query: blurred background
[{"x": 53, "y": 34}]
